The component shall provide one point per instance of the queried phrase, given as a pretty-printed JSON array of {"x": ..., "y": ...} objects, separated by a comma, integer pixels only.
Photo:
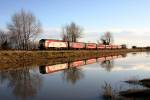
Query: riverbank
[{"x": 28, "y": 56}]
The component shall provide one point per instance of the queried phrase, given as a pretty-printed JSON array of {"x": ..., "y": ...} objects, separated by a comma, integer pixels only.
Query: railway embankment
[{"x": 20, "y": 56}]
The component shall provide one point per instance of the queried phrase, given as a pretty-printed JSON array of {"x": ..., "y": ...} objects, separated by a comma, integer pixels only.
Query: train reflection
[{"x": 58, "y": 67}]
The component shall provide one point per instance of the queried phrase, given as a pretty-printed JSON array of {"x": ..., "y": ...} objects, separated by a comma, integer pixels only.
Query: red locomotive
[{"x": 52, "y": 44}]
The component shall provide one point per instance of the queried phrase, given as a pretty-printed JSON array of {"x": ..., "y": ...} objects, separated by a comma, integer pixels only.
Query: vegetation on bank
[{"x": 14, "y": 56}]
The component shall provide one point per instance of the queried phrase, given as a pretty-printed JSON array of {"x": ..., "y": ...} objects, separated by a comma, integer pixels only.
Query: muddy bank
[
  {"x": 138, "y": 93},
  {"x": 142, "y": 93}
]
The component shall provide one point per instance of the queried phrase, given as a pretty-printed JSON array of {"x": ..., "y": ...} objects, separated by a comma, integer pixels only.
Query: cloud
[
  {"x": 51, "y": 33},
  {"x": 132, "y": 67},
  {"x": 138, "y": 37}
]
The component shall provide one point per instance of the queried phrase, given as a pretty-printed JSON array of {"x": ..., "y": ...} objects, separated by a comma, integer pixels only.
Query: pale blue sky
[{"x": 125, "y": 18}]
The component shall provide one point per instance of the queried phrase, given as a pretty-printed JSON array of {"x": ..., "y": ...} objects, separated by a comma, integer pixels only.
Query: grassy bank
[{"x": 16, "y": 56}]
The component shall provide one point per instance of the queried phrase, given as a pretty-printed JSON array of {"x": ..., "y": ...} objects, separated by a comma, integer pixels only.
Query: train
[{"x": 52, "y": 44}]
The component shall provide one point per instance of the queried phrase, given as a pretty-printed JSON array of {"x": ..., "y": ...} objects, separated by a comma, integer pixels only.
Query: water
[{"x": 79, "y": 80}]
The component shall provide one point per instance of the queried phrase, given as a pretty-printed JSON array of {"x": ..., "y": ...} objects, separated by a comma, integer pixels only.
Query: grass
[
  {"x": 8, "y": 58},
  {"x": 108, "y": 92}
]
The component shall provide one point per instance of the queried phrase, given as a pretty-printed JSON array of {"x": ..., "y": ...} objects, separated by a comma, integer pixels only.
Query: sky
[{"x": 127, "y": 20}]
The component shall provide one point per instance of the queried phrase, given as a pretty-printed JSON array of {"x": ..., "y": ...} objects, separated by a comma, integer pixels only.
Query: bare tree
[
  {"x": 24, "y": 28},
  {"x": 106, "y": 39},
  {"x": 71, "y": 32},
  {"x": 3, "y": 40}
]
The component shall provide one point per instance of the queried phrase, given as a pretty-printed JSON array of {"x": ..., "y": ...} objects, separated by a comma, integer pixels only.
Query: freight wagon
[{"x": 76, "y": 45}]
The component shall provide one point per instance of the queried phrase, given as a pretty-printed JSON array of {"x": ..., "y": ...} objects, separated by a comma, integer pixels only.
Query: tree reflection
[
  {"x": 108, "y": 65},
  {"x": 72, "y": 75},
  {"x": 23, "y": 82},
  {"x": 148, "y": 53},
  {"x": 134, "y": 53},
  {"x": 124, "y": 55}
]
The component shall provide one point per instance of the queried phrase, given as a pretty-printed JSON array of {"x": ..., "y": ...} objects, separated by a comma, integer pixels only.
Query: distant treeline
[{"x": 135, "y": 47}]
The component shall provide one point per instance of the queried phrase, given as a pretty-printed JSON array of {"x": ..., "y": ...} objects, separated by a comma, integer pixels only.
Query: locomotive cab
[{"x": 42, "y": 44}]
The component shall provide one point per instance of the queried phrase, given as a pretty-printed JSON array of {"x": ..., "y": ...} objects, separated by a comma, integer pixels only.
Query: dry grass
[
  {"x": 108, "y": 92},
  {"x": 19, "y": 56}
]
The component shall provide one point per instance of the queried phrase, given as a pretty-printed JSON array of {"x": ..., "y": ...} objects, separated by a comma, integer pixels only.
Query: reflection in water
[
  {"x": 52, "y": 68},
  {"x": 72, "y": 71},
  {"x": 108, "y": 64},
  {"x": 148, "y": 53},
  {"x": 141, "y": 90},
  {"x": 81, "y": 82},
  {"x": 134, "y": 53},
  {"x": 124, "y": 55},
  {"x": 72, "y": 75},
  {"x": 24, "y": 83}
]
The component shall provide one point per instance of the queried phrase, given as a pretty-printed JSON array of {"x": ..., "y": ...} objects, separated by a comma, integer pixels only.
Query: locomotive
[{"x": 51, "y": 44}]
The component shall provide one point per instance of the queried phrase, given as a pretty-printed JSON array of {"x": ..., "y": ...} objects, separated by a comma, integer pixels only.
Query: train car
[
  {"x": 91, "y": 46},
  {"x": 114, "y": 46},
  {"x": 108, "y": 46},
  {"x": 76, "y": 45},
  {"x": 52, "y": 44},
  {"x": 100, "y": 46}
]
